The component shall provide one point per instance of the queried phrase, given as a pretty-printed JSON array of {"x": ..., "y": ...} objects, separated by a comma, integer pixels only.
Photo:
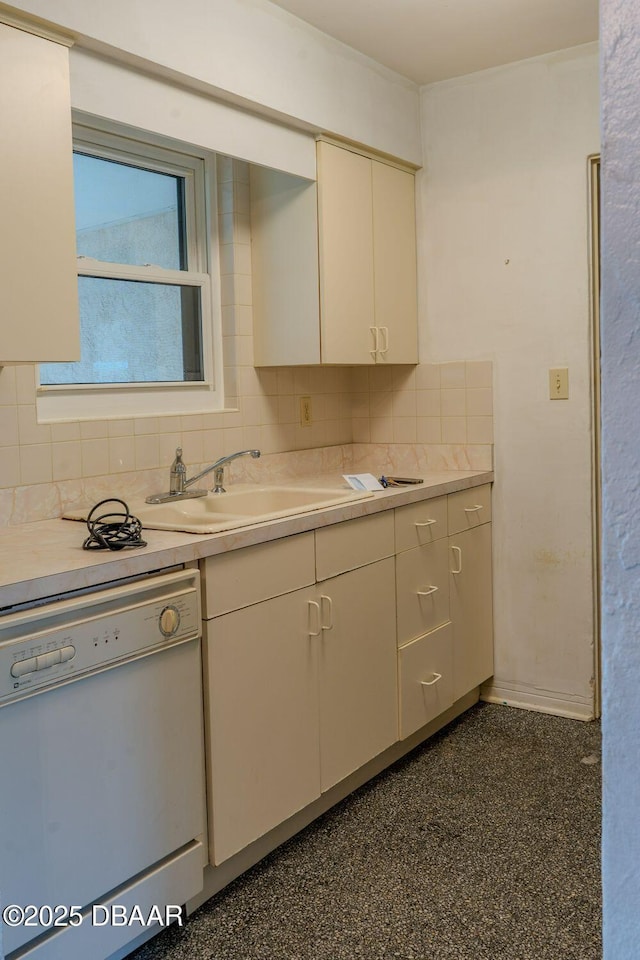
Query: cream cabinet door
[
  {"x": 394, "y": 259},
  {"x": 356, "y": 246},
  {"x": 367, "y": 242},
  {"x": 470, "y": 592},
  {"x": 357, "y": 662},
  {"x": 261, "y": 719},
  {"x": 38, "y": 277},
  {"x": 345, "y": 227}
]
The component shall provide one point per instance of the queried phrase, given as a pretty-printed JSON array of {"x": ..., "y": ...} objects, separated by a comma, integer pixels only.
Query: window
[{"x": 147, "y": 315}]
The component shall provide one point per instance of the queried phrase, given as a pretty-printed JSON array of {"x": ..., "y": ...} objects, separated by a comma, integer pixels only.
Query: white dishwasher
[{"x": 101, "y": 767}]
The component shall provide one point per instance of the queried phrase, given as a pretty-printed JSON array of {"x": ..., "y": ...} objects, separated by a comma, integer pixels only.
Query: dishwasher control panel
[{"x": 68, "y": 638}]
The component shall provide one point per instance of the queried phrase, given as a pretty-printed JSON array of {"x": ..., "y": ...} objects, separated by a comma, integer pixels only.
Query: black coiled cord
[{"x": 113, "y": 530}]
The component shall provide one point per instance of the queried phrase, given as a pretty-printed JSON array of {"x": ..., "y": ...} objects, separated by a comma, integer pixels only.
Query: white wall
[
  {"x": 621, "y": 469},
  {"x": 126, "y": 95},
  {"x": 252, "y": 52},
  {"x": 504, "y": 276}
]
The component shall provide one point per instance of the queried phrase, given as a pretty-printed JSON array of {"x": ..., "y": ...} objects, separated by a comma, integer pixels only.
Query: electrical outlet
[
  {"x": 306, "y": 417},
  {"x": 559, "y": 383}
]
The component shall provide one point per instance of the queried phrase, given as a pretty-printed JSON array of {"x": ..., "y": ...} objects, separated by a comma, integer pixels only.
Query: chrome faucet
[{"x": 179, "y": 485}]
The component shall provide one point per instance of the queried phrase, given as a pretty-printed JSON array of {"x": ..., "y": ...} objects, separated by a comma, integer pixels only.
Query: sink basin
[{"x": 240, "y": 506}]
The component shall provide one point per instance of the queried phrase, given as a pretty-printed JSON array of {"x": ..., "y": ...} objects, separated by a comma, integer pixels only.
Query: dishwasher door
[{"x": 102, "y": 772}]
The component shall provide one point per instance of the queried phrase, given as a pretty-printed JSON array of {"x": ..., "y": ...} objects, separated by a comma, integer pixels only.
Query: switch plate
[
  {"x": 306, "y": 417},
  {"x": 559, "y": 383}
]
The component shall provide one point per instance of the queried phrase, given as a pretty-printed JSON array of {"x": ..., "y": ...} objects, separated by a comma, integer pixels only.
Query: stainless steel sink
[{"x": 239, "y": 506}]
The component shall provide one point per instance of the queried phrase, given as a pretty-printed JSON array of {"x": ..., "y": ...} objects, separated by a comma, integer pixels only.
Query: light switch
[{"x": 559, "y": 383}]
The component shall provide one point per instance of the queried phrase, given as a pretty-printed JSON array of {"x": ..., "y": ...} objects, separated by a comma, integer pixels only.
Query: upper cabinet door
[
  {"x": 38, "y": 277},
  {"x": 394, "y": 258},
  {"x": 345, "y": 225},
  {"x": 367, "y": 241},
  {"x": 358, "y": 249}
]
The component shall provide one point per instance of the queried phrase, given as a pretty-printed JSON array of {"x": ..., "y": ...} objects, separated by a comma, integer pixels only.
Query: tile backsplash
[
  {"x": 409, "y": 418},
  {"x": 436, "y": 415}
]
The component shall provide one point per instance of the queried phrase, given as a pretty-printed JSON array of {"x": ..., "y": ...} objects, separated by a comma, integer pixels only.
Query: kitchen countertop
[{"x": 45, "y": 558}]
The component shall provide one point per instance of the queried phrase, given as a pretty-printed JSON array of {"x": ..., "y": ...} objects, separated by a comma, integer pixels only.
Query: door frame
[{"x": 593, "y": 170}]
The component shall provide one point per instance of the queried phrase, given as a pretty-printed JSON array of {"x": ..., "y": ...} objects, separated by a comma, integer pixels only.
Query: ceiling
[{"x": 429, "y": 40}]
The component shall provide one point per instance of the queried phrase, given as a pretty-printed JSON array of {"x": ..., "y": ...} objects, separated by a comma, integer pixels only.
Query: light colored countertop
[{"x": 45, "y": 558}]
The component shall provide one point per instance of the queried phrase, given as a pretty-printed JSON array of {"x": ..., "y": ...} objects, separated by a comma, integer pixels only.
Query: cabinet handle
[
  {"x": 316, "y": 606},
  {"x": 430, "y": 683},
  {"x": 424, "y": 523},
  {"x": 474, "y": 509},
  {"x": 329, "y": 624},
  {"x": 458, "y": 552},
  {"x": 383, "y": 350},
  {"x": 374, "y": 332},
  {"x": 427, "y": 592}
]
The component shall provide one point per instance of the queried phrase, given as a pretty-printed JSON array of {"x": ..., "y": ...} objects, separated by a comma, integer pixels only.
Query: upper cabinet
[
  {"x": 367, "y": 246},
  {"x": 334, "y": 269},
  {"x": 38, "y": 276}
]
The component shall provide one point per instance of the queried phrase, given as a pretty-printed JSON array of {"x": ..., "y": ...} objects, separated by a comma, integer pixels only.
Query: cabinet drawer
[
  {"x": 420, "y": 523},
  {"x": 425, "y": 679},
  {"x": 353, "y": 543},
  {"x": 469, "y": 508},
  {"x": 242, "y": 577},
  {"x": 422, "y": 590}
]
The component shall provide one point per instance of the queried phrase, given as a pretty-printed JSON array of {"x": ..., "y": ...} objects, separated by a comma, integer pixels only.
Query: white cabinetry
[
  {"x": 301, "y": 688},
  {"x": 368, "y": 292},
  {"x": 361, "y": 307},
  {"x": 469, "y": 516},
  {"x": 444, "y": 589},
  {"x": 324, "y": 648},
  {"x": 261, "y": 699},
  {"x": 345, "y": 232},
  {"x": 262, "y": 720},
  {"x": 357, "y": 647},
  {"x": 425, "y": 655},
  {"x": 38, "y": 278},
  {"x": 394, "y": 264}
]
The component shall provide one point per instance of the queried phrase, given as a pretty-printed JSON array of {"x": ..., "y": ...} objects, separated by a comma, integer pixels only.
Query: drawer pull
[
  {"x": 425, "y": 523},
  {"x": 329, "y": 624},
  {"x": 313, "y": 604},
  {"x": 430, "y": 683},
  {"x": 458, "y": 553},
  {"x": 427, "y": 592},
  {"x": 474, "y": 509}
]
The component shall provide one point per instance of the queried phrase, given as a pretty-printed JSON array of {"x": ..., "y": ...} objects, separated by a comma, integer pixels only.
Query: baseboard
[{"x": 542, "y": 701}]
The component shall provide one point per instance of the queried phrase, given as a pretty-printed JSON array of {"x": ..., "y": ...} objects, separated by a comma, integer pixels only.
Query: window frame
[{"x": 153, "y": 398}]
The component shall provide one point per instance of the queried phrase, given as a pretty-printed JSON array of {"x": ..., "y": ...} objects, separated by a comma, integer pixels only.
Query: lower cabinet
[
  {"x": 357, "y": 669},
  {"x": 261, "y": 720},
  {"x": 301, "y": 689},
  {"x": 324, "y": 648},
  {"x": 444, "y": 591},
  {"x": 470, "y": 600}
]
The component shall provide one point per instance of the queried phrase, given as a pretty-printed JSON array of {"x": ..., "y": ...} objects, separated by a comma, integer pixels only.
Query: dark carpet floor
[{"x": 482, "y": 843}]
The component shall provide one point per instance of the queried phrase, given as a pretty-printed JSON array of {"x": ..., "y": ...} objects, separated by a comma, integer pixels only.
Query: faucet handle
[
  {"x": 218, "y": 480},
  {"x": 177, "y": 474}
]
